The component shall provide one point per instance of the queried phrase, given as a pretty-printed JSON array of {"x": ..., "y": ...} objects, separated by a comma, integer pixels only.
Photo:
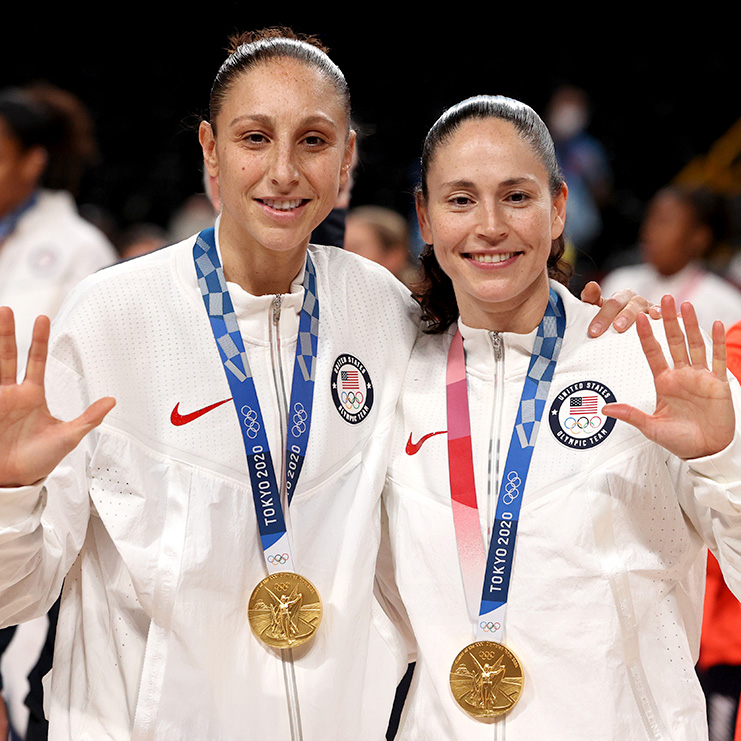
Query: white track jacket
[
  {"x": 149, "y": 526},
  {"x": 51, "y": 249},
  {"x": 605, "y": 603}
]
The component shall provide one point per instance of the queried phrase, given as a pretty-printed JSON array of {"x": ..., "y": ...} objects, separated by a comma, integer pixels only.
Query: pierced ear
[
  {"x": 349, "y": 158},
  {"x": 558, "y": 222}
]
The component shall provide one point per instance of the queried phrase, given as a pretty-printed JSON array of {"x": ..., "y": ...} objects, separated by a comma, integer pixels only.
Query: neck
[
  {"x": 257, "y": 270},
  {"x": 520, "y": 315}
]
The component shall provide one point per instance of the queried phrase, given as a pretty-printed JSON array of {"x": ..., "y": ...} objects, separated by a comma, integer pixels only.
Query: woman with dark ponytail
[{"x": 548, "y": 533}]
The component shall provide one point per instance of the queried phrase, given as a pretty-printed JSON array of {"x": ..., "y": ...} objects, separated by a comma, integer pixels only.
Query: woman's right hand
[{"x": 32, "y": 441}]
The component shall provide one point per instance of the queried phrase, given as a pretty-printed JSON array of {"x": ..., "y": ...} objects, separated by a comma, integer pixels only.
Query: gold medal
[
  {"x": 284, "y": 610},
  {"x": 486, "y": 680}
]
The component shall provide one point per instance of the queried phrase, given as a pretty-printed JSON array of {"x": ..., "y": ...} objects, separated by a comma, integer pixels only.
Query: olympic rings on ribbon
[
  {"x": 278, "y": 558},
  {"x": 299, "y": 419},
  {"x": 490, "y": 627},
  {"x": 352, "y": 399},
  {"x": 250, "y": 421},
  {"x": 512, "y": 487}
]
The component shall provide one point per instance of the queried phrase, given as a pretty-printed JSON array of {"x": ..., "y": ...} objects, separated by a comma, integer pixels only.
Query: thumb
[
  {"x": 77, "y": 428},
  {"x": 627, "y": 413}
]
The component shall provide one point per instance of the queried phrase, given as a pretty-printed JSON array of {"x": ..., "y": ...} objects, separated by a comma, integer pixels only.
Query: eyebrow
[
  {"x": 463, "y": 183},
  {"x": 268, "y": 120}
]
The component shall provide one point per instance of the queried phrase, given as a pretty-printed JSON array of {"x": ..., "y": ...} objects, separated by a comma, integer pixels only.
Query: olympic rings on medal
[
  {"x": 299, "y": 419},
  {"x": 511, "y": 488},
  {"x": 487, "y": 655},
  {"x": 250, "y": 421},
  {"x": 490, "y": 627},
  {"x": 278, "y": 558},
  {"x": 352, "y": 399}
]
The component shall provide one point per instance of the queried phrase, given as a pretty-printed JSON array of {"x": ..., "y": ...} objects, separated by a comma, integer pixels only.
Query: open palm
[
  {"x": 694, "y": 413},
  {"x": 32, "y": 441}
]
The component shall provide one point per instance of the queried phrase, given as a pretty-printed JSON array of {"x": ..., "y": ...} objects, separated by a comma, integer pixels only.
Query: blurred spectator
[
  {"x": 46, "y": 247},
  {"x": 141, "y": 239},
  {"x": 719, "y": 665},
  {"x": 381, "y": 235},
  {"x": 195, "y": 214},
  {"x": 584, "y": 164},
  {"x": 679, "y": 228}
]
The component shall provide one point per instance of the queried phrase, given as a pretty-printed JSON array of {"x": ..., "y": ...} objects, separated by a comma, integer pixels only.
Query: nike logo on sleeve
[
  {"x": 182, "y": 419},
  {"x": 413, "y": 448}
]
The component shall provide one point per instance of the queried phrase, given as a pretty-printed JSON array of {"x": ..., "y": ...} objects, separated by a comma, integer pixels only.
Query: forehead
[
  {"x": 284, "y": 87},
  {"x": 490, "y": 147}
]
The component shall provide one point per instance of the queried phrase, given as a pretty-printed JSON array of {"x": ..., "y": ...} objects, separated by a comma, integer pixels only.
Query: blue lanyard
[
  {"x": 499, "y": 560},
  {"x": 265, "y": 489},
  {"x": 9, "y": 222}
]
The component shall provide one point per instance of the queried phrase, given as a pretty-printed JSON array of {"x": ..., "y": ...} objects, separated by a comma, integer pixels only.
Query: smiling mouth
[
  {"x": 490, "y": 258},
  {"x": 283, "y": 204}
]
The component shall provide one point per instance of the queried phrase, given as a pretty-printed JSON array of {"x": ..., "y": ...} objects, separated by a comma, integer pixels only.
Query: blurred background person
[
  {"x": 681, "y": 225},
  {"x": 140, "y": 239},
  {"x": 586, "y": 170},
  {"x": 719, "y": 665},
  {"x": 46, "y": 247},
  {"x": 381, "y": 235}
]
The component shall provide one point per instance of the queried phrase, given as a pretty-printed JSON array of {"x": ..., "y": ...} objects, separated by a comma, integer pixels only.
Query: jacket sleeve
[
  {"x": 709, "y": 490},
  {"x": 43, "y": 527}
]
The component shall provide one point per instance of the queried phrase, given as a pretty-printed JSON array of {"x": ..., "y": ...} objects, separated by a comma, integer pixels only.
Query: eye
[
  {"x": 518, "y": 197},
  {"x": 254, "y": 138},
  {"x": 314, "y": 141},
  {"x": 460, "y": 200}
]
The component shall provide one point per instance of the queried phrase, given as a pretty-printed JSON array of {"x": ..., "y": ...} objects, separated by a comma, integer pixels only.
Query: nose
[
  {"x": 284, "y": 166},
  {"x": 492, "y": 225}
]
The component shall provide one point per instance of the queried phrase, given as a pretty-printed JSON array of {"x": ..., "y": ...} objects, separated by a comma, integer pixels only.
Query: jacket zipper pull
[
  {"x": 496, "y": 342},
  {"x": 277, "y": 302}
]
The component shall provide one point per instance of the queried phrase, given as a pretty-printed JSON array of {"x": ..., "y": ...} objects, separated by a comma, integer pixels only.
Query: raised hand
[
  {"x": 620, "y": 310},
  {"x": 694, "y": 413},
  {"x": 32, "y": 441}
]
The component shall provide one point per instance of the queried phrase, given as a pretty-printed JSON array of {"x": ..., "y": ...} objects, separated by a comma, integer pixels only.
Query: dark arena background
[{"x": 663, "y": 101}]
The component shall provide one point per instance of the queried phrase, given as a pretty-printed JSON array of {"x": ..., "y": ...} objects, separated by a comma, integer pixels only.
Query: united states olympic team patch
[
  {"x": 576, "y": 418},
  {"x": 352, "y": 390}
]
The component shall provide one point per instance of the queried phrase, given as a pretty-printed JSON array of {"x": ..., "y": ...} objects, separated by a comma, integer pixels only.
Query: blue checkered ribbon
[
  {"x": 543, "y": 360},
  {"x": 265, "y": 489}
]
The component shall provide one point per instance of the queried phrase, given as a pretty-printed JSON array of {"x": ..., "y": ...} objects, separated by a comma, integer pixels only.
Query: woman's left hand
[
  {"x": 694, "y": 413},
  {"x": 620, "y": 310}
]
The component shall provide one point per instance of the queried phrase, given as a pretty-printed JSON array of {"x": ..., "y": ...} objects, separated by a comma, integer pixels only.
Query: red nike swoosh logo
[
  {"x": 413, "y": 448},
  {"x": 182, "y": 419}
]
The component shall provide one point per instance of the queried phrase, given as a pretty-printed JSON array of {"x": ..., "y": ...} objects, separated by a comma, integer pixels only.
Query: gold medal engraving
[
  {"x": 486, "y": 680},
  {"x": 284, "y": 610}
]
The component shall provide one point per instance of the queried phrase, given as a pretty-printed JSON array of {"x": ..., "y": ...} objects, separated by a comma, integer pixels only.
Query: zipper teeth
[{"x": 279, "y": 384}]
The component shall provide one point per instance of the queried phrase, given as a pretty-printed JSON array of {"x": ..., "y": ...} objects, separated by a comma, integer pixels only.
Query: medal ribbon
[
  {"x": 265, "y": 489},
  {"x": 497, "y": 565}
]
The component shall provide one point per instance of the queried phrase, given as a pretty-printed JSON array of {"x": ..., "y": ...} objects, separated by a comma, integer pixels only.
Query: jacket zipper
[
  {"x": 497, "y": 343},
  {"x": 289, "y": 672},
  {"x": 492, "y": 493}
]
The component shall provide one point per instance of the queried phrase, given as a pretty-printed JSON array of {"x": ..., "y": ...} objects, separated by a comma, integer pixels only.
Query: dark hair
[
  {"x": 251, "y": 48},
  {"x": 436, "y": 295},
  {"x": 41, "y": 115},
  {"x": 709, "y": 208}
]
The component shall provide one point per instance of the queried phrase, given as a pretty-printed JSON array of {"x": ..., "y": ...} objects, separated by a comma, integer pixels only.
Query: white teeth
[
  {"x": 492, "y": 258},
  {"x": 282, "y": 205}
]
